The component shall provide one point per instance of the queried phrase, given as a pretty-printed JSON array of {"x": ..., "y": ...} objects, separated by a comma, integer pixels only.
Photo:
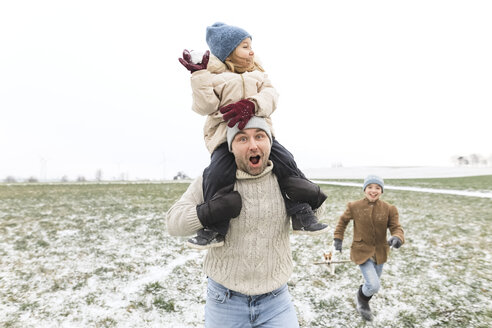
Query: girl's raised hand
[{"x": 187, "y": 62}]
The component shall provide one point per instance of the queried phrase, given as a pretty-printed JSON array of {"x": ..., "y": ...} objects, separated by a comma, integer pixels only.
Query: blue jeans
[
  {"x": 227, "y": 308},
  {"x": 372, "y": 274}
]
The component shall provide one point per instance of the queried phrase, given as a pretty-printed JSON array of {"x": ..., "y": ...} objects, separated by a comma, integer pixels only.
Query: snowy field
[
  {"x": 98, "y": 255},
  {"x": 397, "y": 172}
]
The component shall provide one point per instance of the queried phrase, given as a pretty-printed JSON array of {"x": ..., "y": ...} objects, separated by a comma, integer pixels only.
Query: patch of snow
[
  {"x": 417, "y": 189},
  {"x": 157, "y": 273},
  {"x": 396, "y": 172}
]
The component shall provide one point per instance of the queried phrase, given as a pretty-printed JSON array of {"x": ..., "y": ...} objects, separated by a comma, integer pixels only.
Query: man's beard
[{"x": 245, "y": 167}]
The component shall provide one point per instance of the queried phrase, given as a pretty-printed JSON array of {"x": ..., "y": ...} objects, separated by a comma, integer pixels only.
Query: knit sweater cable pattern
[{"x": 256, "y": 257}]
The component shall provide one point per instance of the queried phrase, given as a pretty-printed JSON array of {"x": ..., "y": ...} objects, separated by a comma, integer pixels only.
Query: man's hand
[
  {"x": 192, "y": 67},
  {"x": 338, "y": 244},
  {"x": 240, "y": 111},
  {"x": 224, "y": 205},
  {"x": 394, "y": 242},
  {"x": 302, "y": 191}
]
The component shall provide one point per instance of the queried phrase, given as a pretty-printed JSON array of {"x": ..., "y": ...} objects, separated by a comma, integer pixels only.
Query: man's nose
[{"x": 253, "y": 144}]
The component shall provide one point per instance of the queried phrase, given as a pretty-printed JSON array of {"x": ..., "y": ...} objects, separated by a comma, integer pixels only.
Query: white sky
[{"x": 88, "y": 85}]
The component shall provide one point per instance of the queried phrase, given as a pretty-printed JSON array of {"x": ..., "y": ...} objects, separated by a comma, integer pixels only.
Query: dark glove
[
  {"x": 302, "y": 191},
  {"x": 240, "y": 111},
  {"x": 338, "y": 244},
  {"x": 224, "y": 205},
  {"x": 394, "y": 242},
  {"x": 190, "y": 66}
]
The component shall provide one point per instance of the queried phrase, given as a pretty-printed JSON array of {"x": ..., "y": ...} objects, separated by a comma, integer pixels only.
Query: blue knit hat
[
  {"x": 373, "y": 179},
  {"x": 254, "y": 123},
  {"x": 222, "y": 39}
]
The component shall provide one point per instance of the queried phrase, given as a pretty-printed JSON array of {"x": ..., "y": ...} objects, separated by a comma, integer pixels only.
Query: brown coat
[
  {"x": 216, "y": 87},
  {"x": 371, "y": 220}
]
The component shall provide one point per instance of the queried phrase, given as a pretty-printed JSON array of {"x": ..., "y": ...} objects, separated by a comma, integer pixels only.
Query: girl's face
[
  {"x": 244, "y": 49},
  {"x": 373, "y": 192},
  {"x": 243, "y": 55}
]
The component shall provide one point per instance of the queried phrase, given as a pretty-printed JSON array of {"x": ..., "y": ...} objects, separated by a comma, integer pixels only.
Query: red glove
[
  {"x": 190, "y": 66},
  {"x": 240, "y": 112}
]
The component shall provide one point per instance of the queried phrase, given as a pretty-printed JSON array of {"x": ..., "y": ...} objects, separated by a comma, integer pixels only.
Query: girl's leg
[
  {"x": 284, "y": 166},
  {"x": 290, "y": 179},
  {"x": 220, "y": 173}
]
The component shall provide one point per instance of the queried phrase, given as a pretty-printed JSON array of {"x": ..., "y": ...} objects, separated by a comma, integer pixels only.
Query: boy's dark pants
[{"x": 222, "y": 172}]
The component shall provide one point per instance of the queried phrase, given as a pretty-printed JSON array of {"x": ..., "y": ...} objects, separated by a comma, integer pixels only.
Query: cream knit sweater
[{"x": 256, "y": 257}]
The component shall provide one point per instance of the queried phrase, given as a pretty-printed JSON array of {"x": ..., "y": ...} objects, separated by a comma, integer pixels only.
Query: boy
[{"x": 371, "y": 217}]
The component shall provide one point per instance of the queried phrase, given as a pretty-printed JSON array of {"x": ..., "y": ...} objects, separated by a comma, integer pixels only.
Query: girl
[
  {"x": 229, "y": 87},
  {"x": 371, "y": 217}
]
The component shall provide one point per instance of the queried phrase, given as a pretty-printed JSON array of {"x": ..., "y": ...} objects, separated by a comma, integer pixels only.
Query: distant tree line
[
  {"x": 472, "y": 160},
  {"x": 98, "y": 178},
  {"x": 11, "y": 179}
]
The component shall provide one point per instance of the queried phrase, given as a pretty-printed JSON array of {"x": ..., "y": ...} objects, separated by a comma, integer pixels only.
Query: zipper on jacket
[{"x": 244, "y": 87}]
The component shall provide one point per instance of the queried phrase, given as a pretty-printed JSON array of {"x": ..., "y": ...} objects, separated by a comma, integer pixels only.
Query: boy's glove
[
  {"x": 224, "y": 205},
  {"x": 187, "y": 62},
  {"x": 394, "y": 242},
  {"x": 240, "y": 111},
  {"x": 302, "y": 190},
  {"x": 338, "y": 244}
]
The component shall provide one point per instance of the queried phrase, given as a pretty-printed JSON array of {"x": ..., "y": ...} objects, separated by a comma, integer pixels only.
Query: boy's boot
[
  {"x": 363, "y": 305},
  {"x": 306, "y": 223},
  {"x": 205, "y": 239}
]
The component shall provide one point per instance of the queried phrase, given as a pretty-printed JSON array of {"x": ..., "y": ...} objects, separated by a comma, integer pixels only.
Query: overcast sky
[{"x": 88, "y": 85}]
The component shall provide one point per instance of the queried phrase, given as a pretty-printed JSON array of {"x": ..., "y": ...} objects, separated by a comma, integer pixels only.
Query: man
[{"x": 247, "y": 276}]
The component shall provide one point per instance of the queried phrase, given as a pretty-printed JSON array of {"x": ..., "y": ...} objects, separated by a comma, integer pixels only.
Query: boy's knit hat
[
  {"x": 222, "y": 39},
  {"x": 373, "y": 179},
  {"x": 254, "y": 123}
]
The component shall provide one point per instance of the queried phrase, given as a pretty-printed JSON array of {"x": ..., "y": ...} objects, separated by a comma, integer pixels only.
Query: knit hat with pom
[
  {"x": 222, "y": 39},
  {"x": 373, "y": 179}
]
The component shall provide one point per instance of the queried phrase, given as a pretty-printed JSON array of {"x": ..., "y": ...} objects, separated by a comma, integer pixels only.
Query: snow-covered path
[
  {"x": 158, "y": 273},
  {"x": 417, "y": 189}
]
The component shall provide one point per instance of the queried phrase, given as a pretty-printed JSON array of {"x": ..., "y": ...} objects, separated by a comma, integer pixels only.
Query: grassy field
[
  {"x": 475, "y": 183},
  {"x": 98, "y": 255}
]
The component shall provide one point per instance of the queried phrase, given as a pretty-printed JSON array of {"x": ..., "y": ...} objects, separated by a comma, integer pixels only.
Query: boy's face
[{"x": 373, "y": 192}]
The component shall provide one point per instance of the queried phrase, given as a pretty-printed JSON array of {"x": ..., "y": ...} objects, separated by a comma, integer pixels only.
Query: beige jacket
[
  {"x": 216, "y": 87},
  {"x": 371, "y": 221}
]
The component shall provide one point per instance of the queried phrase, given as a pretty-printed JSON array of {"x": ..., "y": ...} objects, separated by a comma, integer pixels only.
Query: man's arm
[{"x": 182, "y": 218}]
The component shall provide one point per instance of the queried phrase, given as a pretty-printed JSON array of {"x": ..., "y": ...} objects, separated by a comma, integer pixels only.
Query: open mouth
[{"x": 255, "y": 159}]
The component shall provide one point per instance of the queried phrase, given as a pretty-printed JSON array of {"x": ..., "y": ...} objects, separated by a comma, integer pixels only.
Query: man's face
[
  {"x": 251, "y": 148},
  {"x": 373, "y": 192}
]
